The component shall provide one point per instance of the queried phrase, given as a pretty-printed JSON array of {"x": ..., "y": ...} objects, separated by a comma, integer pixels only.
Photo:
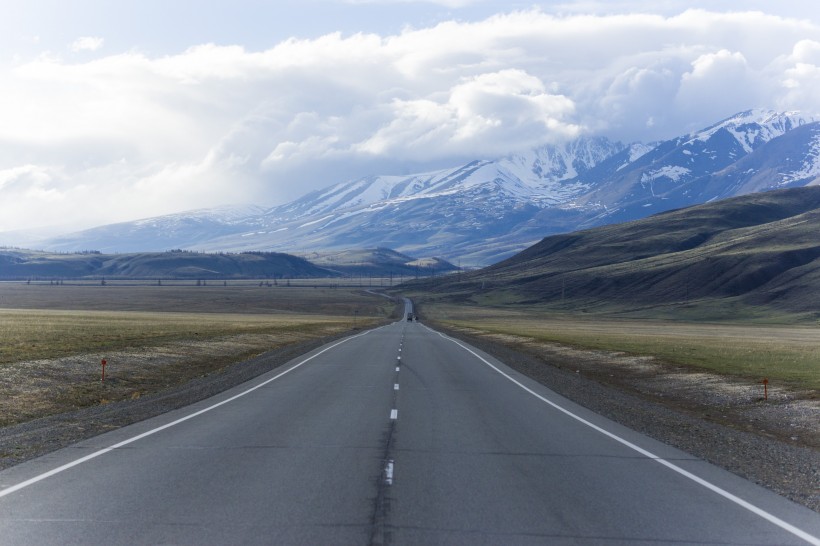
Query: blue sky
[
  {"x": 160, "y": 27},
  {"x": 114, "y": 111}
]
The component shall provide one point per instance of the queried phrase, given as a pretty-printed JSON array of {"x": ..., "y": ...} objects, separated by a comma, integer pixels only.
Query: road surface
[{"x": 398, "y": 435}]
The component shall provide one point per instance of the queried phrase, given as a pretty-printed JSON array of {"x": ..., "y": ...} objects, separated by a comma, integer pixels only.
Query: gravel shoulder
[
  {"x": 775, "y": 445},
  {"x": 38, "y": 437}
]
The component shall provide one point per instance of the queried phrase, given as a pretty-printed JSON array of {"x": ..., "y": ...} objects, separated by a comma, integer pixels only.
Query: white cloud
[
  {"x": 132, "y": 135},
  {"x": 718, "y": 85},
  {"x": 87, "y": 43},
  {"x": 487, "y": 114}
]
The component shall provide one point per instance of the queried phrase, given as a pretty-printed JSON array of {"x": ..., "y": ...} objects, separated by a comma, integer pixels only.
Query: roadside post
[
  {"x": 103, "y": 363},
  {"x": 765, "y": 388}
]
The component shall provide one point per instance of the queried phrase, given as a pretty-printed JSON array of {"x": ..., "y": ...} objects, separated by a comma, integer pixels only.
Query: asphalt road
[{"x": 396, "y": 436}]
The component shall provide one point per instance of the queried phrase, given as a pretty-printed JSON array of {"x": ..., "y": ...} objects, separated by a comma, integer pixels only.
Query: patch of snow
[
  {"x": 810, "y": 168},
  {"x": 316, "y": 221},
  {"x": 755, "y": 127},
  {"x": 673, "y": 172},
  {"x": 636, "y": 151}
]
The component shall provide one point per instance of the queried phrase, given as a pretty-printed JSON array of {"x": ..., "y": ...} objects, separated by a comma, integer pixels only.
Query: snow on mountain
[
  {"x": 809, "y": 167},
  {"x": 662, "y": 178},
  {"x": 754, "y": 128},
  {"x": 486, "y": 210},
  {"x": 535, "y": 176},
  {"x": 180, "y": 230}
]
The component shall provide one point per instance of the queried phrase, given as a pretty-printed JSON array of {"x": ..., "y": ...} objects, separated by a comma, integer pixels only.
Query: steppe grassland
[
  {"x": 45, "y": 321},
  {"x": 788, "y": 354},
  {"x": 39, "y": 334},
  {"x": 52, "y": 344}
]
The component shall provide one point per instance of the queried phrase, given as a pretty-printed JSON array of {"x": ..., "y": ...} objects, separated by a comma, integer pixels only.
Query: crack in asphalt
[{"x": 380, "y": 534}]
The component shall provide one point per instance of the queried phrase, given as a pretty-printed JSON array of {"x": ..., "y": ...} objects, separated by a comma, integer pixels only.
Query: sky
[{"x": 114, "y": 111}]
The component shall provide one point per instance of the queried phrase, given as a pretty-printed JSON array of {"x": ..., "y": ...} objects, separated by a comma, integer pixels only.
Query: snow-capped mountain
[
  {"x": 538, "y": 177},
  {"x": 485, "y": 210},
  {"x": 172, "y": 231},
  {"x": 673, "y": 174}
]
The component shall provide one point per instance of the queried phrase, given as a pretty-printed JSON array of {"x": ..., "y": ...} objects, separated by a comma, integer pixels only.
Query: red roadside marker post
[
  {"x": 765, "y": 388},
  {"x": 103, "y": 370}
]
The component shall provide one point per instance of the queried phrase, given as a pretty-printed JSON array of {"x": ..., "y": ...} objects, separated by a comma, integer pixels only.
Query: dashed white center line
[
  {"x": 394, "y": 414},
  {"x": 396, "y": 387},
  {"x": 388, "y": 473},
  {"x": 397, "y": 368}
]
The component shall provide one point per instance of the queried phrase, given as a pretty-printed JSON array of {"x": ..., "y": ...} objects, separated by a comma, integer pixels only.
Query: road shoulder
[{"x": 789, "y": 470}]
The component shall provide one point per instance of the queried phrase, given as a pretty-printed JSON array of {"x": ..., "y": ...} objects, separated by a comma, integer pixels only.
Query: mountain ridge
[
  {"x": 21, "y": 264},
  {"x": 730, "y": 257},
  {"x": 487, "y": 210}
]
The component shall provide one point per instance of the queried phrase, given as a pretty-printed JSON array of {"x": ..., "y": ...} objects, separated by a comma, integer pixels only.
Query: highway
[{"x": 398, "y": 435}]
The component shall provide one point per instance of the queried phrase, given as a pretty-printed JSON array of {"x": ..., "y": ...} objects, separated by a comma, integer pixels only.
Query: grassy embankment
[
  {"x": 52, "y": 338},
  {"x": 789, "y": 355}
]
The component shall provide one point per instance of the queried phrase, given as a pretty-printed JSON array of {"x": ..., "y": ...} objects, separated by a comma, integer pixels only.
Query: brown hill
[{"x": 751, "y": 252}]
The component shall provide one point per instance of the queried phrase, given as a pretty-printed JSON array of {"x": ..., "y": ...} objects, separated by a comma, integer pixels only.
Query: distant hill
[
  {"x": 755, "y": 251},
  {"x": 379, "y": 261},
  {"x": 179, "y": 264},
  {"x": 25, "y": 264}
]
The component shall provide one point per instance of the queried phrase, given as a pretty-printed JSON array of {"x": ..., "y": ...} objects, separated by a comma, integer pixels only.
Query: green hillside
[
  {"x": 27, "y": 264},
  {"x": 748, "y": 255}
]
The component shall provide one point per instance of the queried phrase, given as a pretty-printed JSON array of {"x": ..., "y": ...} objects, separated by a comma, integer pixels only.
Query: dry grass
[
  {"x": 788, "y": 354},
  {"x": 43, "y": 334},
  {"x": 52, "y": 338},
  {"x": 242, "y": 297}
]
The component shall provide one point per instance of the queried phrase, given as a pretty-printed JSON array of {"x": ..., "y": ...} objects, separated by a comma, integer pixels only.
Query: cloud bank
[{"x": 128, "y": 135}]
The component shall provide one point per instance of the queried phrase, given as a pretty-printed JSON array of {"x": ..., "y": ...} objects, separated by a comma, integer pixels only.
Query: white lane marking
[
  {"x": 397, "y": 368},
  {"x": 394, "y": 414},
  {"x": 388, "y": 473},
  {"x": 399, "y": 357},
  {"x": 396, "y": 387},
  {"x": 72, "y": 464},
  {"x": 811, "y": 539}
]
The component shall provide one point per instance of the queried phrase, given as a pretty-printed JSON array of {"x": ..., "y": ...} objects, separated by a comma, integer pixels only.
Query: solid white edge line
[
  {"x": 72, "y": 464},
  {"x": 811, "y": 539}
]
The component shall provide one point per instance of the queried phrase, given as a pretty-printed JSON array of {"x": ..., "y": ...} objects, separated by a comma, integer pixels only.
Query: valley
[
  {"x": 410, "y": 272},
  {"x": 667, "y": 323}
]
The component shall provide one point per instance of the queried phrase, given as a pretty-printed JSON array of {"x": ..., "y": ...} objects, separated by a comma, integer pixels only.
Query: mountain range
[{"x": 487, "y": 210}]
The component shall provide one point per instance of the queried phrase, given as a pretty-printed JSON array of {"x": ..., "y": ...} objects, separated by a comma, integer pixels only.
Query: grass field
[
  {"x": 47, "y": 321},
  {"x": 322, "y": 296},
  {"x": 53, "y": 337},
  {"x": 40, "y": 334},
  {"x": 788, "y": 354}
]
